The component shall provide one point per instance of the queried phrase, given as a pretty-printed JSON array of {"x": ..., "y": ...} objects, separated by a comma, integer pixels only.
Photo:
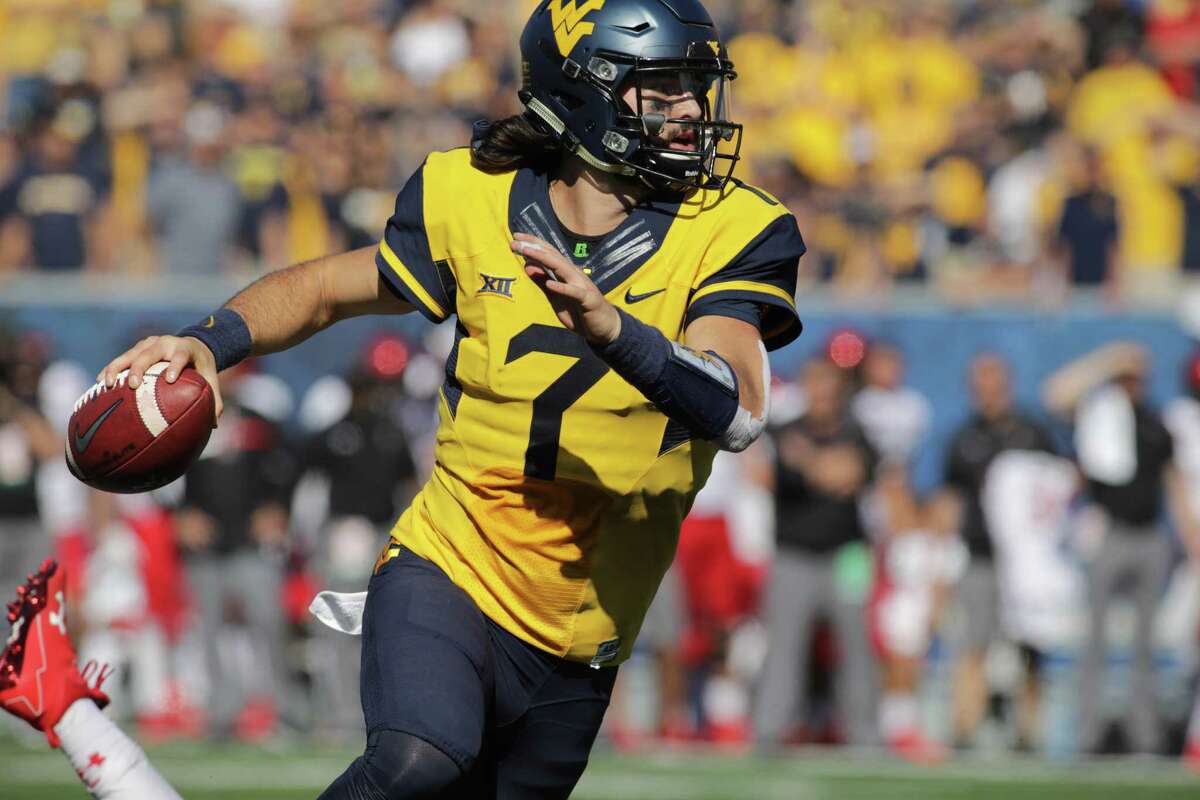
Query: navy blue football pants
[{"x": 457, "y": 707}]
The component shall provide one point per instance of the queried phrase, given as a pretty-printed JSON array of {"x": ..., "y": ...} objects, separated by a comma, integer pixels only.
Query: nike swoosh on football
[
  {"x": 82, "y": 442},
  {"x": 631, "y": 298}
]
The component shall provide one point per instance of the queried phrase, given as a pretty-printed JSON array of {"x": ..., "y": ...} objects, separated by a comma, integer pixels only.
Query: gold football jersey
[{"x": 558, "y": 490}]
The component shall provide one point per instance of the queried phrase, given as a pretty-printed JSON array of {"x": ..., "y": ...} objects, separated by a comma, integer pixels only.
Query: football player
[{"x": 614, "y": 291}]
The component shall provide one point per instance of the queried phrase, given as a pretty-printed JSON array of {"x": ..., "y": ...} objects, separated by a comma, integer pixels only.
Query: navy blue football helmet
[{"x": 579, "y": 57}]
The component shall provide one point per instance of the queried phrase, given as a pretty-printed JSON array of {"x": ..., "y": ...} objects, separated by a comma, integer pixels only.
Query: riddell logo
[{"x": 567, "y": 18}]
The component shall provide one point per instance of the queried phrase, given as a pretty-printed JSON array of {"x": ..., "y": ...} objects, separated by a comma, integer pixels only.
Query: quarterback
[{"x": 614, "y": 291}]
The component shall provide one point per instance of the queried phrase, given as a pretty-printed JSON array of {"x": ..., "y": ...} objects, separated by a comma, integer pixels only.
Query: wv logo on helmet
[{"x": 567, "y": 18}]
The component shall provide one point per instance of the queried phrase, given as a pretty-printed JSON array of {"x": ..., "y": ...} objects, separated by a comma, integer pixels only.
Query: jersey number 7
[{"x": 541, "y": 457}]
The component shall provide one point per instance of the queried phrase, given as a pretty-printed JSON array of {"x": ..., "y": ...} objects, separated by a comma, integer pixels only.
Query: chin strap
[{"x": 573, "y": 145}]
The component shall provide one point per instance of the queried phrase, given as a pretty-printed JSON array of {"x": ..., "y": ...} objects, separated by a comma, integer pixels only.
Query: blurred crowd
[
  {"x": 994, "y": 151},
  {"x": 198, "y": 593},
  {"x": 1043, "y": 597}
]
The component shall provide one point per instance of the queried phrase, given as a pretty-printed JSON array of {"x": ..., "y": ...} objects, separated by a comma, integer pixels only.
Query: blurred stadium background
[{"x": 1021, "y": 178}]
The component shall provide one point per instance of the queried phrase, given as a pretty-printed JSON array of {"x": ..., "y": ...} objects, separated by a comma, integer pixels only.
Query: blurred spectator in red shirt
[{"x": 1173, "y": 39}]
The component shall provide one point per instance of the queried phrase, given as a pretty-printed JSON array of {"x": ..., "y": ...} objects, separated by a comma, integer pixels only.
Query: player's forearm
[
  {"x": 1063, "y": 390},
  {"x": 283, "y": 308},
  {"x": 286, "y": 307},
  {"x": 738, "y": 343}
]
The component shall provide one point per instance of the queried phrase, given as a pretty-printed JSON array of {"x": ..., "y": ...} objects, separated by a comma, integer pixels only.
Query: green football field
[{"x": 208, "y": 773}]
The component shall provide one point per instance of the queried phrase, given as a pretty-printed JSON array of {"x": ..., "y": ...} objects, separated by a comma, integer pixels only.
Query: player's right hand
[
  {"x": 178, "y": 351},
  {"x": 578, "y": 304}
]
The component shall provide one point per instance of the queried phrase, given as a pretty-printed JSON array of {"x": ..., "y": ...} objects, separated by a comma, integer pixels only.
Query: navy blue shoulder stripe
[
  {"x": 772, "y": 256},
  {"x": 452, "y": 389}
]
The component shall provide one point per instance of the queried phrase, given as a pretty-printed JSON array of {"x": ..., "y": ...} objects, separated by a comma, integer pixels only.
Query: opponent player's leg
[
  {"x": 40, "y": 683},
  {"x": 426, "y": 677}
]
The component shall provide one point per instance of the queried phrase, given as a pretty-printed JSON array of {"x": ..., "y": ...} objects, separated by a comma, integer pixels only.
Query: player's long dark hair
[{"x": 514, "y": 143}]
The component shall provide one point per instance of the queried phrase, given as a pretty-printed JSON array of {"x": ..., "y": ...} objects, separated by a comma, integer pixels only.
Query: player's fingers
[
  {"x": 111, "y": 368},
  {"x": 178, "y": 361},
  {"x": 534, "y": 248},
  {"x": 553, "y": 265},
  {"x": 529, "y": 238},
  {"x": 536, "y": 272},
  {"x": 108, "y": 375},
  {"x": 543, "y": 253},
  {"x": 119, "y": 365},
  {"x": 545, "y": 280},
  {"x": 576, "y": 293},
  {"x": 147, "y": 357}
]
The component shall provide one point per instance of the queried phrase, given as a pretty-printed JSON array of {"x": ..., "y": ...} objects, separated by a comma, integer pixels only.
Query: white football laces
[{"x": 99, "y": 388}]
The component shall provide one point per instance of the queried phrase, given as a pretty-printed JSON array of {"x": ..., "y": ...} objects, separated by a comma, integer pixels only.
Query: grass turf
[{"x": 202, "y": 772}]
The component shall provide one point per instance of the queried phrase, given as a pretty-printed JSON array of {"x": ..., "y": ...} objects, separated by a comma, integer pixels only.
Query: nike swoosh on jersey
[
  {"x": 631, "y": 298},
  {"x": 82, "y": 442}
]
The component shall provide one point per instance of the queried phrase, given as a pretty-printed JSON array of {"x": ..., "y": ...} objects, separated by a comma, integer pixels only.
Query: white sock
[
  {"x": 898, "y": 714},
  {"x": 110, "y": 764},
  {"x": 1194, "y": 725}
]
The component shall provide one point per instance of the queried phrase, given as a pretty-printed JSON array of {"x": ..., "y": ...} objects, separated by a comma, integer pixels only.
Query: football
[{"x": 128, "y": 440}]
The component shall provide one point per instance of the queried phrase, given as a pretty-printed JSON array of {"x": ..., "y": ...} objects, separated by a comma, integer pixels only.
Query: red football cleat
[
  {"x": 1191, "y": 755},
  {"x": 39, "y": 679},
  {"x": 916, "y": 748}
]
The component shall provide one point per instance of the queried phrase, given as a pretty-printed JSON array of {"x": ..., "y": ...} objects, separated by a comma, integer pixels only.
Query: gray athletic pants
[
  {"x": 253, "y": 580},
  {"x": 803, "y": 587},
  {"x": 1137, "y": 560},
  {"x": 23, "y": 545}
]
